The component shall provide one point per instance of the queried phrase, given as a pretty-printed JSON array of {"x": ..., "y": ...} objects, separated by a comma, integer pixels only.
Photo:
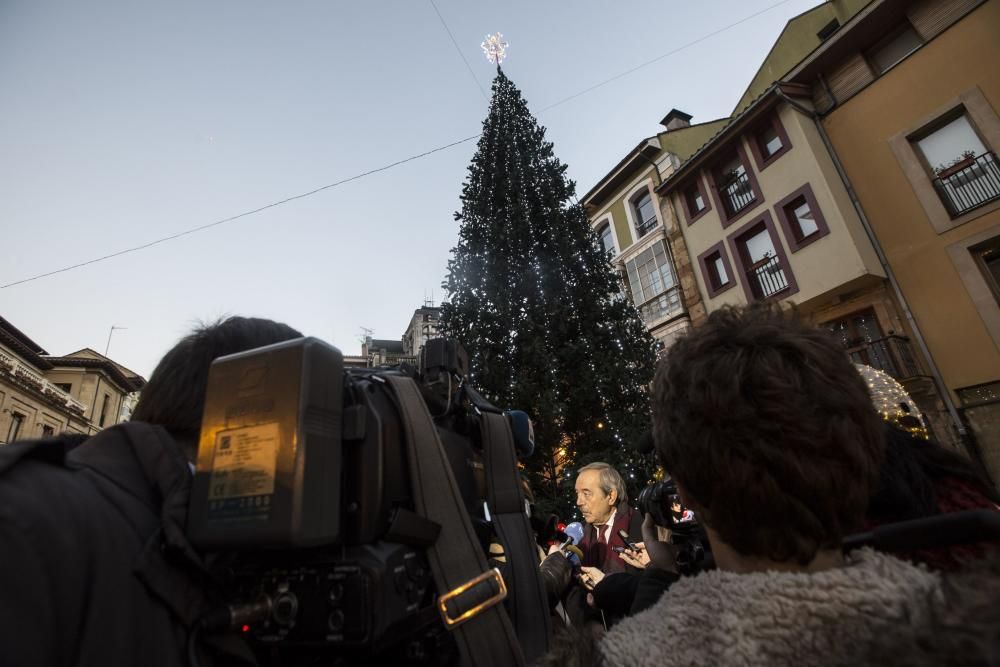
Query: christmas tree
[{"x": 536, "y": 302}]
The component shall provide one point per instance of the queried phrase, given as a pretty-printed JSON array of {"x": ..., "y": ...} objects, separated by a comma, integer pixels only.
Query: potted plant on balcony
[{"x": 963, "y": 161}]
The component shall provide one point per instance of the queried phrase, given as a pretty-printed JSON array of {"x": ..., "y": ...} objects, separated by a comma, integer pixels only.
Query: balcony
[
  {"x": 736, "y": 192},
  {"x": 646, "y": 226},
  {"x": 767, "y": 278},
  {"x": 26, "y": 376},
  {"x": 662, "y": 305},
  {"x": 891, "y": 354},
  {"x": 969, "y": 183}
]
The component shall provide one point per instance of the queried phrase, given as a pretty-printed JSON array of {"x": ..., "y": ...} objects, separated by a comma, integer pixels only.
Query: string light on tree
[
  {"x": 495, "y": 48},
  {"x": 530, "y": 295}
]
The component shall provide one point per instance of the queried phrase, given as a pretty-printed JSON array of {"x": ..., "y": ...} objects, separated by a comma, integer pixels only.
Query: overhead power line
[
  {"x": 194, "y": 230},
  {"x": 411, "y": 158},
  {"x": 665, "y": 55},
  {"x": 462, "y": 55}
]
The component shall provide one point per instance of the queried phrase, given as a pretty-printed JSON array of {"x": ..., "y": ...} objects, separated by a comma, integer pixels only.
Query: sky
[{"x": 124, "y": 121}]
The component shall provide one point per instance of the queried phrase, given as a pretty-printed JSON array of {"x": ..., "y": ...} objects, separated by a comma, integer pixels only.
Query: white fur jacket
[{"x": 834, "y": 617}]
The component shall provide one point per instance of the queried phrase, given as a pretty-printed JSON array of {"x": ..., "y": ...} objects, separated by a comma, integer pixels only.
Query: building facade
[
  {"x": 422, "y": 327},
  {"x": 907, "y": 94},
  {"x": 42, "y": 395},
  {"x": 639, "y": 232}
]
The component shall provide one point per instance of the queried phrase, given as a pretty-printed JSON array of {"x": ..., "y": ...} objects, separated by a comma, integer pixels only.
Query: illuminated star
[{"x": 495, "y": 48}]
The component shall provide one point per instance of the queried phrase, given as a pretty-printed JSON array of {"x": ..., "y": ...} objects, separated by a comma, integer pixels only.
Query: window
[
  {"x": 897, "y": 46},
  {"x": 65, "y": 386},
  {"x": 827, "y": 30},
  {"x": 715, "y": 270},
  {"x": 736, "y": 186},
  {"x": 764, "y": 272},
  {"x": 801, "y": 218},
  {"x": 14, "y": 430},
  {"x": 964, "y": 171},
  {"x": 607, "y": 240},
  {"x": 761, "y": 260},
  {"x": 987, "y": 256},
  {"x": 862, "y": 338},
  {"x": 48, "y": 431},
  {"x": 104, "y": 409},
  {"x": 645, "y": 214},
  {"x": 695, "y": 200},
  {"x": 653, "y": 283},
  {"x": 768, "y": 142}
]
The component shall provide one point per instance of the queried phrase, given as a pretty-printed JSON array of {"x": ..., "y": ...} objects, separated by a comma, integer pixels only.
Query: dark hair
[
  {"x": 174, "y": 397},
  {"x": 766, "y": 423},
  {"x": 910, "y": 472}
]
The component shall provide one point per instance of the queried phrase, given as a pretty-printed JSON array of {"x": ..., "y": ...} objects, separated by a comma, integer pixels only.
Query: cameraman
[{"x": 97, "y": 568}]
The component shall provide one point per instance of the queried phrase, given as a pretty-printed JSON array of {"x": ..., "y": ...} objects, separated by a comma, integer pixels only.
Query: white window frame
[
  {"x": 647, "y": 185},
  {"x": 609, "y": 220}
]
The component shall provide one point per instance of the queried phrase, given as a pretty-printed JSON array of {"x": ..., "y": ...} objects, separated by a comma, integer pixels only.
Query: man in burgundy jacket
[{"x": 603, "y": 501}]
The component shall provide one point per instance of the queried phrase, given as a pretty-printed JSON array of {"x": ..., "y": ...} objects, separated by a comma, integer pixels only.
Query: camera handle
[{"x": 469, "y": 592}]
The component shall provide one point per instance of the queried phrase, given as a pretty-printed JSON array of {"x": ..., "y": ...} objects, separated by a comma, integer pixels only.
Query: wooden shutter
[
  {"x": 932, "y": 17},
  {"x": 849, "y": 77}
]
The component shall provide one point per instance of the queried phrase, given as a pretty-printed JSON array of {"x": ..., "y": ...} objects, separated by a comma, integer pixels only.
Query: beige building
[
  {"x": 423, "y": 326},
  {"x": 766, "y": 216},
  {"x": 41, "y": 395},
  {"x": 907, "y": 94},
  {"x": 638, "y": 232}
]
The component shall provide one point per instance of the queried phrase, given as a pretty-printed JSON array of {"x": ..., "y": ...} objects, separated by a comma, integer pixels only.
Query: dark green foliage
[{"x": 537, "y": 304}]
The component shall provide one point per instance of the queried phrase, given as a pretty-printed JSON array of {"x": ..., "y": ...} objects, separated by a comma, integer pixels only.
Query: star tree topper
[{"x": 495, "y": 48}]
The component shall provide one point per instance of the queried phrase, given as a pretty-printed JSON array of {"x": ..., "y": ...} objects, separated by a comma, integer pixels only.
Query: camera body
[
  {"x": 303, "y": 473},
  {"x": 662, "y": 501}
]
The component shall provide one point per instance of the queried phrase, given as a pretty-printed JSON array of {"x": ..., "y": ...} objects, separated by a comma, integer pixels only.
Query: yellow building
[
  {"x": 41, "y": 395},
  {"x": 907, "y": 94}
]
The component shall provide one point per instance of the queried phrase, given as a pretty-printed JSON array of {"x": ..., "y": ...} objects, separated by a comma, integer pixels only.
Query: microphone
[
  {"x": 644, "y": 445},
  {"x": 574, "y": 533},
  {"x": 523, "y": 432},
  {"x": 574, "y": 555}
]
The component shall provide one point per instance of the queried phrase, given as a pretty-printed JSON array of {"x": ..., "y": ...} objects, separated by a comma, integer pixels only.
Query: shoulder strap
[
  {"x": 468, "y": 591},
  {"x": 527, "y": 601}
]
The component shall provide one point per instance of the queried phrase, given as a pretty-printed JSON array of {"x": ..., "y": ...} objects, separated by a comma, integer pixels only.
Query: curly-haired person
[{"x": 770, "y": 435}]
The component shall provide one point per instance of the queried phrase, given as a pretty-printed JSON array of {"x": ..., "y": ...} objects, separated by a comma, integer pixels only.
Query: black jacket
[{"x": 95, "y": 566}]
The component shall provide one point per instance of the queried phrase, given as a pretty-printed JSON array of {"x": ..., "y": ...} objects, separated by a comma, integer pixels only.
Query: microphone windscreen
[
  {"x": 523, "y": 432},
  {"x": 574, "y": 531}
]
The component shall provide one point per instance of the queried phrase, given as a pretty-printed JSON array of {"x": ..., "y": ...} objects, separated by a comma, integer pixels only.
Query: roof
[
  {"x": 680, "y": 142},
  {"x": 864, "y": 28},
  {"x": 797, "y": 39},
  {"x": 618, "y": 174},
  {"x": 736, "y": 125},
  {"x": 20, "y": 337},
  {"x": 387, "y": 345},
  {"x": 686, "y": 141},
  {"x": 87, "y": 358}
]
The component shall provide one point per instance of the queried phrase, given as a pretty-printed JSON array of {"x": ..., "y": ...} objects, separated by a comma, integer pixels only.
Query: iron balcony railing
[
  {"x": 892, "y": 354},
  {"x": 969, "y": 184},
  {"x": 647, "y": 226},
  {"x": 737, "y": 193},
  {"x": 767, "y": 278}
]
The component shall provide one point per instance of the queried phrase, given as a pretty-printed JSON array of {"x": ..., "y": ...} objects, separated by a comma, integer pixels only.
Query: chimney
[{"x": 676, "y": 119}]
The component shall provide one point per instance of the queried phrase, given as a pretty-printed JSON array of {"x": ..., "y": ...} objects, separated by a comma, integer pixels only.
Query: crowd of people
[
  {"x": 775, "y": 452},
  {"x": 773, "y": 441}
]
